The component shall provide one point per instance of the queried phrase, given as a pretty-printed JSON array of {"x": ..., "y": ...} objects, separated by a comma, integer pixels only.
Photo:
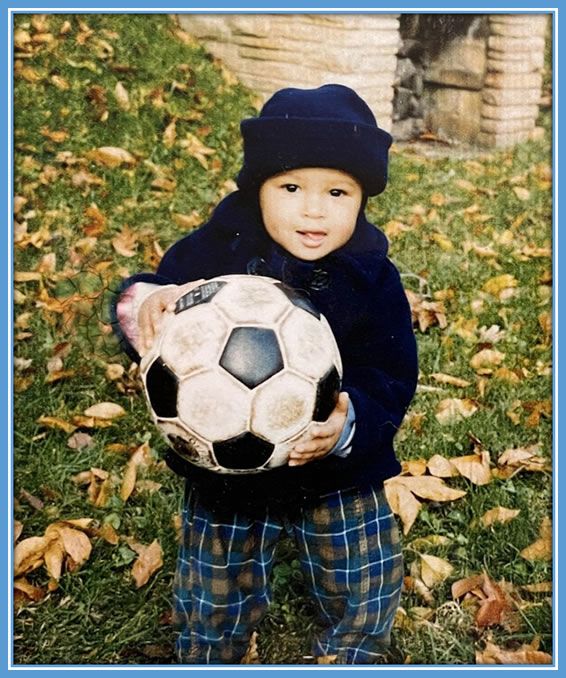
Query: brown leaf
[
  {"x": 54, "y": 557},
  {"x": 451, "y": 410},
  {"x": 28, "y": 554},
  {"x": 426, "y": 313},
  {"x": 541, "y": 587},
  {"x": 403, "y": 503},
  {"x": 541, "y": 549},
  {"x": 29, "y": 591},
  {"x": 474, "y": 467},
  {"x": 518, "y": 459},
  {"x": 149, "y": 561},
  {"x": 18, "y": 529},
  {"x": 170, "y": 134},
  {"x": 428, "y": 487},
  {"x": 196, "y": 149},
  {"x": 125, "y": 242},
  {"x": 35, "y": 502},
  {"x": 105, "y": 410},
  {"x": 109, "y": 534},
  {"x": 493, "y": 654},
  {"x": 414, "y": 467},
  {"x": 499, "y": 514},
  {"x": 252, "y": 654},
  {"x": 95, "y": 223},
  {"x": 56, "y": 422},
  {"x": 111, "y": 156},
  {"x": 521, "y": 193}
]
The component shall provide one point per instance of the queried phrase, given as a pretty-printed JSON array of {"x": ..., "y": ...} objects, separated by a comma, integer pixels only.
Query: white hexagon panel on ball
[
  {"x": 251, "y": 300},
  {"x": 308, "y": 344},
  {"x": 193, "y": 339},
  {"x": 213, "y": 405},
  {"x": 282, "y": 407}
]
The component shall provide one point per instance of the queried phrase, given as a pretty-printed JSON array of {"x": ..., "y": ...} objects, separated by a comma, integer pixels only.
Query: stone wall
[
  {"x": 481, "y": 82},
  {"x": 270, "y": 51}
]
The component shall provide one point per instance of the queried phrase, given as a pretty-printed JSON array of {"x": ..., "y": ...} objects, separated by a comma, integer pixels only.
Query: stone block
[
  {"x": 497, "y": 62},
  {"x": 509, "y": 112},
  {"x": 454, "y": 113},
  {"x": 507, "y": 126},
  {"x": 514, "y": 80},
  {"x": 491, "y": 140},
  {"x": 516, "y": 45},
  {"x": 537, "y": 26},
  {"x": 510, "y": 97},
  {"x": 523, "y": 18},
  {"x": 461, "y": 64}
]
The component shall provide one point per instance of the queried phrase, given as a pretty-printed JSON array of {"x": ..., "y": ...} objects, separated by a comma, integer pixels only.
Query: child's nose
[{"x": 313, "y": 206}]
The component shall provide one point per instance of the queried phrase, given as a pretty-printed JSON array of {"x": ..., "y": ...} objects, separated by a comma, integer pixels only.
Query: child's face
[{"x": 310, "y": 211}]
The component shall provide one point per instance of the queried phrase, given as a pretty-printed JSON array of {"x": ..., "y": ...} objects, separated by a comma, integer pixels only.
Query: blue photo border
[{"x": 6, "y": 303}]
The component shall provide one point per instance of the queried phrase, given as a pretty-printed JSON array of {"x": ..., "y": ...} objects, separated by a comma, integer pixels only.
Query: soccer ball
[{"x": 239, "y": 372}]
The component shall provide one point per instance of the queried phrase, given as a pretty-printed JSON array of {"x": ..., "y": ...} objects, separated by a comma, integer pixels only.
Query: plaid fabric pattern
[{"x": 350, "y": 553}]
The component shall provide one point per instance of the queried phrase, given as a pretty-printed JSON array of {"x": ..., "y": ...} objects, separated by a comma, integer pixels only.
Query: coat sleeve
[{"x": 381, "y": 369}]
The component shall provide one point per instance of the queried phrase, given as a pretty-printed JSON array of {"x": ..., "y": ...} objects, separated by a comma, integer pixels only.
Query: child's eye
[
  {"x": 337, "y": 192},
  {"x": 291, "y": 188}
]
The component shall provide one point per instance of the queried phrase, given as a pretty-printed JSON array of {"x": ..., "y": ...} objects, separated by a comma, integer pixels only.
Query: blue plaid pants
[{"x": 350, "y": 554}]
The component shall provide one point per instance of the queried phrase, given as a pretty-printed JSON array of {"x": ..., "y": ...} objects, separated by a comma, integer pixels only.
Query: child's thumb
[{"x": 343, "y": 401}]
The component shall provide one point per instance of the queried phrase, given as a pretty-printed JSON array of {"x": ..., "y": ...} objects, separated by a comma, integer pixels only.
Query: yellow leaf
[
  {"x": 111, "y": 156},
  {"x": 451, "y": 410},
  {"x": 450, "y": 380},
  {"x": 443, "y": 242},
  {"x": 28, "y": 554},
  {"x": 195, "y": 148},
  {"x": 403, "y": 503},
  {"x": 170, "y": 134},
  {"x": 499, "y": 284},
  {"x": 441, "y": 467},
  {"x": 125, "y": 242},
  {"x": 486, "y": 358},
  {"x": 55, "y": 422},
  {"x": 428, "y": 541},
  {"x": 252, "y": 655},
  {"x": 428, "y": 487},
  {"x": 129, "y": 480},
  {"x": 105, "y": 410},
  {"x": 541, "y": 549},
  {"x": 434, "y": 570},
  {"x": 474, "y": 467},
  {"x": 499, "y": 514},
  {"x": 150, "y": 560},
  {"x": 414, "y": 467},
  {"x": 54, "y": 557}
]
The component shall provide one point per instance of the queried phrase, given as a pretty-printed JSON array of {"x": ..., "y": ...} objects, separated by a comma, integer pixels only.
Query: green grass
[{"x": 96, "y": 615}]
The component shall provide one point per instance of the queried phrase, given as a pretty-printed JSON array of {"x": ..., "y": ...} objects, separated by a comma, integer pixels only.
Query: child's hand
[
  {"x": 321, "y": 438},
  {"x": 150, "y": 315}
]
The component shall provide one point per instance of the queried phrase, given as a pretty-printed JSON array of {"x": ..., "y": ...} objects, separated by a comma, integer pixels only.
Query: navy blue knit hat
[{"x": 330, "y": 126}]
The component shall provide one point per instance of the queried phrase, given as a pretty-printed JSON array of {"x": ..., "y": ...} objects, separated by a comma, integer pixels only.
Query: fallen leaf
[
  {"x": 414, "y": 467},
  {"x": 450, "y": 380},
  {"x": 514, "y": 460},
  {"x": 451, "y": 410},
  {"x": 28, "y": 554},
  {"x": 541, "y": 587},
  {"x": 500, "y": 285},
  {"x": 441, "y": 467},
  {"x": 434, "y": 570},
  {"x": 125, "y": 242},
  {"x": 105, "y": 410},
  {"x": 426, "y": 313},
  {"x": 485, "y": 359},
  {"x": 149, "y": 561},
  {"x": 403, "y": 503},
  {"x": 33, "y": 501},
  {"x": 28, "y": 591},
  {"x": 122, "y": 97},
  {"x": 499, "y": 514},
  {"x": 252, "y": 654},
  {"x": 170, "y": 134},
  {"x": 56, "y": 422},
  {"x": 111, "y": 156},
  {"x": 493, "y": 654},
  {"x": 541, "y": 549},
  {"x": 196, "y": 149},
  {"x": 188, "y": 221},
  {"x": 521, "y": 193},
  {"x": 79, "y": 441},
  {"x": 474, "y": 467},
  {"x": 18, "y": 529}
]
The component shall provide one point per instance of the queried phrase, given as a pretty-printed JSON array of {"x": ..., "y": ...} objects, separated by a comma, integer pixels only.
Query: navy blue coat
[{"x": 359, "y": 291}]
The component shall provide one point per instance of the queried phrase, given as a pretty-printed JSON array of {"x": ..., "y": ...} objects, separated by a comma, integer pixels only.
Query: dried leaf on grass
[
  {"x": 141, "y": 457},
  {"x": 434, "y": 570},
  {"x": 426, "y": 313},
  {"x": 252, "y": 654},
  {"x": 451, "y": 410},
  {"x": 111, "y": 156},
  {"x": 514, "y": 460},
  {"x": 149, "y": 561},
  {"x": 402, "y": 493},
  {"x": 526, "y": 654},
  {"x": 105, "y": 410},
  {"x": 499, "y": 514},
  {"x": 541, "y": 549},
  {"x": 495, "y": 605},
  {"x": 474, "y": 467}
]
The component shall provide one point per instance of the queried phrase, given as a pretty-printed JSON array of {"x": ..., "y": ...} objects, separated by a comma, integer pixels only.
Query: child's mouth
[{"x": 312, "y": 238}]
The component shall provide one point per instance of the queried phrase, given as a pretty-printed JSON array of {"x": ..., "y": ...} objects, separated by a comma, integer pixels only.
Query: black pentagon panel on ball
[
  {"x": 252, "y": 355},
  {"x": 199, "y": 295},
  {"x": 327, "y": 394},
  {"x": 162, "y": 386},
  {"x": 244, "y": 452},
  {"x": 299, "y": 299}
]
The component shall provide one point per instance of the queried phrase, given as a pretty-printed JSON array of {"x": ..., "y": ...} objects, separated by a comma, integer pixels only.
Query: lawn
[{"x": 126, "y": 135}]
